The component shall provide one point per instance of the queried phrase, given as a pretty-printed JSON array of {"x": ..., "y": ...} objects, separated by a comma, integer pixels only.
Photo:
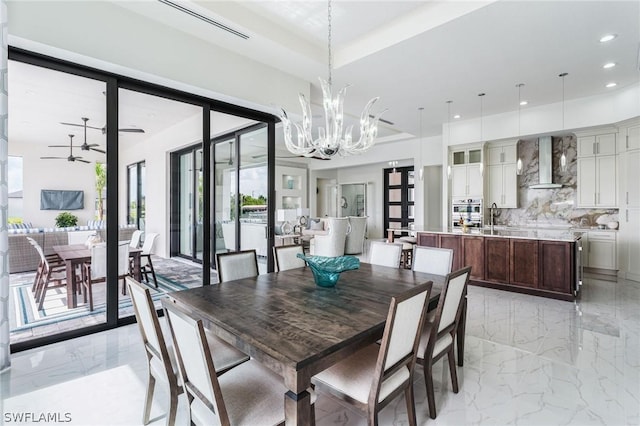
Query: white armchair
[
  {"x": 354, "y": 243},
  {"x": 332, "y": 244}
]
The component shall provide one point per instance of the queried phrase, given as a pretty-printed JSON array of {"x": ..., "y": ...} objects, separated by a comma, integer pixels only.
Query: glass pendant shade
[{"x": 519, "y": 167}]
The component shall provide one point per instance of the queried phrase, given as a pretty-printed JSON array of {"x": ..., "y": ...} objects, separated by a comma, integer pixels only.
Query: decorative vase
[{"x": 326, "y": 270}]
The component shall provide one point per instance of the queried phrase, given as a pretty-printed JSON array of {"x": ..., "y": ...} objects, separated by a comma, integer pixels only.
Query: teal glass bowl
[{"x": 326, "y": 270}]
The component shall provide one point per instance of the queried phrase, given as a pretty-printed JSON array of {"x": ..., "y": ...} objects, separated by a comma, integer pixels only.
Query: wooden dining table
[
  {"x": 74, "y": 255},
  {"x": 296, "y": 328}
]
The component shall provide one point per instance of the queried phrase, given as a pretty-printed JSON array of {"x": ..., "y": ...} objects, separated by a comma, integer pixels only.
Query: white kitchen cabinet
[
  {"x": 602, "y": 250},
  {"x": 630, "y": 243},
  {"x": 590, "y": 146},
  {"x": 597, "y": 181},
  {"x": 632, "y": 180},
  {"x": 466, "y": 181},
  {"x": 503, "y": 185},
  {"x": 502, "y": 153},
  {"x": 632, "y": 138}
]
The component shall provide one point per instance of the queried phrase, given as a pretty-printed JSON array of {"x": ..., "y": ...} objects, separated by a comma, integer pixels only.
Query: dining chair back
[
  {"x": 432, "y": 260},
  {"x": 146, "y": 265},
  {"x": 372, "y": 377},
  {"x": 385, "y": 254},
  {"x": 236, "y": 265},
  {"x": 158, "y": 355},
  {"x": 79, "y": 237},
  {"x": 286, "y": 257},
  {"x": 135, "y": 239},
  {"x": 248, "y": 394},
  {"x": 354, "y": 241},
  {"x": 96, "y": 270},
  {"x": 439, "y": 332},
  {"x": 48, "y": 277}
]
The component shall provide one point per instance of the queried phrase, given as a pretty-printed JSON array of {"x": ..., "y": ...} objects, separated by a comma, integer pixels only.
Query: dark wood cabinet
[
  {"x": 427, "y": 240},
  {"x": 523, "y": 255},
  {"x": 496, "y": 258},
  {"x": 556, "y": 258},
  {"x": 452, "y": 242},
  {"x": 473, "y": 255}
]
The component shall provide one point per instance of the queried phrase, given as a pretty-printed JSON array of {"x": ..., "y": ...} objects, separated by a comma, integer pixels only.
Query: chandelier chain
[{"x": 329, "y": 42}]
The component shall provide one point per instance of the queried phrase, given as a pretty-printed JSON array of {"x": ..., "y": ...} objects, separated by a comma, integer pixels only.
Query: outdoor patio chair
[
  {"x": 236, "y": 265},
  {"x": 160, "y": 355},
  {"x": 96, "y": 270},
  {"x": 375, "y": 375},
  {"x": 146, "y": 266},
  {"x": 49, "y": 278},
  {"x": 53, "y": 259},
  {"x": 439, "y": 332}
]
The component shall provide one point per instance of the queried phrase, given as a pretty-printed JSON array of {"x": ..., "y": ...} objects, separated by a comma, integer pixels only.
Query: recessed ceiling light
[
  {"x": 609, "y": 65},
  {"x": 607, "y": 37},
  {"x": 612, "y": 85},
  {"x": 456, "y": 116},
  {"x": 524, "y": 103}
]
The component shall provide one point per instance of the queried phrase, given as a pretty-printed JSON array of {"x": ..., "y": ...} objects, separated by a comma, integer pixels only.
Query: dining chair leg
[
  {"x": 372, "y": 417},
  {"x": 148, "y": 399},
  {"x": 90, "y": 295},
  {"x": 173, "y": 406},
  {"x": 452, "y": 369},
  {"x": 411, "y": 404},
  {"x": 431, "y": 398},
  {"x": 153, "y": 272}
]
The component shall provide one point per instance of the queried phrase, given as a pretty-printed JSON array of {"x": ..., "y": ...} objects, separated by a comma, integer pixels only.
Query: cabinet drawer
[{"x": 602, "y": 236}]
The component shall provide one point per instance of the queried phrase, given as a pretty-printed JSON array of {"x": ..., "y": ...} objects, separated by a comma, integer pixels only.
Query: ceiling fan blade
[
  {"x": 99, "y": 150},
  {"x": 80, "y": 125},
  {"x": 58, "y": 146},
  {"x": 132, "y": 130},
  {"x": 53, "y": 158},
  {"x": 82, "y": 161}
]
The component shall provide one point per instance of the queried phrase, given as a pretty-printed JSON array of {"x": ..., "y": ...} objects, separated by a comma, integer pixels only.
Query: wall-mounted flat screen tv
[{"x": 53, "y": 199}]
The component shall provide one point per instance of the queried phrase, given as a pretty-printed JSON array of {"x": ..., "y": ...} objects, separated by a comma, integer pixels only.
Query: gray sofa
[{"x": 23, "y": 257}]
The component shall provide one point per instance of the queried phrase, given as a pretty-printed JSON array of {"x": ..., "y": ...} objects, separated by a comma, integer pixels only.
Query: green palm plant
[{"x": 101, "y": 184}]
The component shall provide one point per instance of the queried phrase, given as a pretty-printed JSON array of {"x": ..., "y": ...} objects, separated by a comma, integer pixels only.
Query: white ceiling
[
  {"x": 409, "y": 53},
  {"x": 423, "y": 53}
]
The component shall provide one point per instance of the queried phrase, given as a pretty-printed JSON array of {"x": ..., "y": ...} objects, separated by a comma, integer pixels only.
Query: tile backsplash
[{"x": 550, "y": 207}]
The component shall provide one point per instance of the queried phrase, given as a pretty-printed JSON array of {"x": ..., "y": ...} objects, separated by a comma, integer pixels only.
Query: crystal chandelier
[{"x": 330, "y": 140}]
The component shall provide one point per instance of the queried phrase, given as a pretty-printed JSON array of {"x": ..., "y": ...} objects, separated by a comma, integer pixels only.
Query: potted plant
[{"x": 66, "y": 219}]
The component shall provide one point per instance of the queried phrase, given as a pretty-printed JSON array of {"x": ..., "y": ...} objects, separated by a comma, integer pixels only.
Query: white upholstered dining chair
[
  {"x": 134, "y": 242},
  {"x": 439, "y": 332},
  {"x": 248, "y": 394},
  {"x": 373, "y": 377},
  {"x": 286, "y": 257},
  {"x": 432, "y": 260},
  {"x": 236, "y": 265},
  {"x": 385, "y": 254},
  {"x": 161, "y": 365}
]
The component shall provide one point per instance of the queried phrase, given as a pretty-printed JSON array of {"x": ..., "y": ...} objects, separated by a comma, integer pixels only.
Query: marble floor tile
[{"x": 528, "y": 361}]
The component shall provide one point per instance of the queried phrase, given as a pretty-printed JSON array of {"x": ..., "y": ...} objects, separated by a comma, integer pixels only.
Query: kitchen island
[{"x": 542, "y": 262}]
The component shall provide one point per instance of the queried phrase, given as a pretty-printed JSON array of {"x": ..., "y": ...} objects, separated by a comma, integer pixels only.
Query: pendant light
[
  {"x": 421, "y": 171},
  {"x": 481, "y": 95},
  {"x": 519, "y": 168},
  {"x": 449, "y": 134},
  {"x": 563, "y": 157}
]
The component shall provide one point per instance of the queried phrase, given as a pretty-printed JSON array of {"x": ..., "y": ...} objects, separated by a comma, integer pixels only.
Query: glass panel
[
  {"x": 395, "y": 212},
  {"x": 200, "y": 204},
  {"x": 132, "y": 172},
  {"x": 185, "y": 200},
  {"x": 142, "y": 199},
  {"x": 411, "y": 195},
  {"x": 395, "y": 195},
  {"x": 458, "y": 157},
  {"x": 475, "y": 155},
  {"x": 395, "y": 178},
  {"x": 395, "y": 225},
  {"x": 225, "y": 195},
  {"x": 253, "y": 185},
  {"x": 410, "y": 177},
  {"x": 40, "y": 99}
]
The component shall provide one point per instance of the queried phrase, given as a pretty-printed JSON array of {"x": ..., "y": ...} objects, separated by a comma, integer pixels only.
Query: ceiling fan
[
  {"x": 71, "y": 157},
  {"x": 85, "y": 146},
  {"x": 104, "y": 129}
]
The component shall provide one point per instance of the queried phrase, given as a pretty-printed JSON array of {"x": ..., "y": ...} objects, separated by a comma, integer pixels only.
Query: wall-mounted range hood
[{"x": 545, "y": 162}]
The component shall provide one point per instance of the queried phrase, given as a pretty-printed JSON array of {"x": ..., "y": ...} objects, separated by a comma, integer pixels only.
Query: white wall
[{"x": 53, "y": 174}]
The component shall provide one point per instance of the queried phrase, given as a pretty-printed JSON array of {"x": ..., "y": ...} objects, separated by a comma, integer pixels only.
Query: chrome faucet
[{"x": 492, "y": 214}]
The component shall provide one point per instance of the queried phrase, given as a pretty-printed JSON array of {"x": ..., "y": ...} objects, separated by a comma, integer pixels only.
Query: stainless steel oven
[{"x": 468, "y": 210}]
